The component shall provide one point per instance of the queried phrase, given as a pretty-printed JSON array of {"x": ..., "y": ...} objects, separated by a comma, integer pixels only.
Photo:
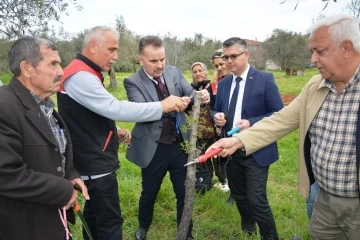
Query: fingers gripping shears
[{"x": 203, "y": 158}]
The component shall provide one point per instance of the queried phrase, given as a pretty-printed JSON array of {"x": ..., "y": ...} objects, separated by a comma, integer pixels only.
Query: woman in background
[
  {"x": 221, "y": 71},
  {"x": 200, "y": 82},
  {"x": 206, "y": 128}
]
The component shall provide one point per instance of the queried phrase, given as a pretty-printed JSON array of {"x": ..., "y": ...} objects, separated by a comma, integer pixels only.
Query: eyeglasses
[
  {"x": 217, "y": 54},
  {"x": 232, "y": 56}
]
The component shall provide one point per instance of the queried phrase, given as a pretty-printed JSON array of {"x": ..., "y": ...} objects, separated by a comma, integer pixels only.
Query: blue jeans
[{"x": 314, "y": 189}]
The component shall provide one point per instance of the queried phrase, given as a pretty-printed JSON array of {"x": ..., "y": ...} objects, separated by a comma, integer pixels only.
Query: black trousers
[
  {"x": 102, "y": 212},
  {"x": 247, "y": 182},
  {"x": 217, "y": 165},
  {"x": 168, "y": 157}
]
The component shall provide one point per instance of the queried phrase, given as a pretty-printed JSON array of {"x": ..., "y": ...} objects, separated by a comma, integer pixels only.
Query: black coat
[{"x": 32, "y": 188}]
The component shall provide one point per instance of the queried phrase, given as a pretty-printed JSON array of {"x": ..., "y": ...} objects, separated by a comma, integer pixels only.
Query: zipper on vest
[{"x": 107, "y": 140}]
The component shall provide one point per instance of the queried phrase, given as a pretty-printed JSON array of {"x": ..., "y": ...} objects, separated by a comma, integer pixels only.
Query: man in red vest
[{"x": 90, "y": 112}]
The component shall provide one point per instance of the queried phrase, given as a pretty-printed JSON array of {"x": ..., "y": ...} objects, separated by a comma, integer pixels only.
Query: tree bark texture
[
  {"x": 113, "y": 82},
  {"x": 190, "y": 175}
]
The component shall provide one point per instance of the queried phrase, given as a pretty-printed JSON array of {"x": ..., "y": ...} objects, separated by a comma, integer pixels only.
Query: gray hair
[
  {"x": 97, "y": 34},
  {"x": 341, "y": 27},
  {"x": 149, "y": 40},
  {"x": 27, "y": 49},
  {"x": 235, "y": 41}
]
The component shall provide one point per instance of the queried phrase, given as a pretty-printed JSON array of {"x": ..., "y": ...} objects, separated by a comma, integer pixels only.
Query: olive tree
[{"x": 18, "y": 16}]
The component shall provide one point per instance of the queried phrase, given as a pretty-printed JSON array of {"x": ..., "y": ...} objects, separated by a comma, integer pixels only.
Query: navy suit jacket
[{"x": 261, "y": 99}]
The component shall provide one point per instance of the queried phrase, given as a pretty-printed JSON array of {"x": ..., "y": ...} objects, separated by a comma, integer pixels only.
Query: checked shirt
[{"x": 333, "y": 140}]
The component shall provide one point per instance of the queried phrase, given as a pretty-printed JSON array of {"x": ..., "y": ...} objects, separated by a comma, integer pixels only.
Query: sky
[{"x": 215, "y": 19}]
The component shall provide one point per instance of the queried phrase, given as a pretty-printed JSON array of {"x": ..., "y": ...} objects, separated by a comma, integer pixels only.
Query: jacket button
[
  {"x": 59, "y": 169},
  {"x": 56, "y": 149},
  {"x": 160, "y": 126},
  {"x": 157, "y": 141}
]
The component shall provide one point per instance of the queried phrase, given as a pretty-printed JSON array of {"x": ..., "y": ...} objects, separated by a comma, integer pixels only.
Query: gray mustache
[{"x": 57, "y": 79}]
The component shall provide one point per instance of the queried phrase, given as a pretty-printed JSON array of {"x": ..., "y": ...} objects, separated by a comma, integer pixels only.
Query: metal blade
[
  {"x": 192, "y": 95},
  {"x": 191, "y": 162}
]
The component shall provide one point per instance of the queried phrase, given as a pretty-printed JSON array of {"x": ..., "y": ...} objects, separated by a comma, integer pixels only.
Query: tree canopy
[
  {"x": 287, "y": 49},
  {"x": 17, "y": 17}
]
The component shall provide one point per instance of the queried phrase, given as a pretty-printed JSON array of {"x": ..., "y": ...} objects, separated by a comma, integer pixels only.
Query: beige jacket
[{"x": 298, "y": 114}]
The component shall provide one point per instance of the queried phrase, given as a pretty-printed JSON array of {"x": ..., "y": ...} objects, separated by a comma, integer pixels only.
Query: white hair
[
  {"x": 341, "y": 27},
  {"x": 97, "y": 34}
]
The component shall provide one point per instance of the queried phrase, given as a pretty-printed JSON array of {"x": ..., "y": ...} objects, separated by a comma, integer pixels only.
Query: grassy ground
[{"x": 213, "y": 219}]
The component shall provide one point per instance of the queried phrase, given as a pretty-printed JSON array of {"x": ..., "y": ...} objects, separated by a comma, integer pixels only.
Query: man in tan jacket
[{"x": 326, "y": 113}]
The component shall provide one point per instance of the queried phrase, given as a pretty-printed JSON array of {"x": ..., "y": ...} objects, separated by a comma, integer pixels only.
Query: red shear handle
[{"x": 206, "y": 156}]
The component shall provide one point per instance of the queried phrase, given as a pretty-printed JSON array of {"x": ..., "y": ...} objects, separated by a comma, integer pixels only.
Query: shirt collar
[
  {"x": 47, "y": 102},
  {"x": 88, "y": 62},
  {"x": 244, "y": 75},
  {"x": 152, "y": 78},
  {"x": 354, "y": 79}
]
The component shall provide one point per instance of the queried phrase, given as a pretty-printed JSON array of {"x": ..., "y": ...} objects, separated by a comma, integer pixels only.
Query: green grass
[
  {"x": 293, "y": 84},
  {"x": 213, "y": 219}
]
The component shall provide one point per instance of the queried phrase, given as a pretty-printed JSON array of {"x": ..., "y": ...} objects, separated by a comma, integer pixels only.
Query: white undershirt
[{"x": 237, "y": 115}]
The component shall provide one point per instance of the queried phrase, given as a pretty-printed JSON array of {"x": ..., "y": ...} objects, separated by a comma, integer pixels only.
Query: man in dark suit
[
  {"x": 245, "y": 97},
  {"x": 37, "y": 176},
  {"x": 155, "y": 146}
]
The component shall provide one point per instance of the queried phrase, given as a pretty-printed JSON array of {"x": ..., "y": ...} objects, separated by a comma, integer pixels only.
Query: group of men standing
[{"x": 46, "y": 157}]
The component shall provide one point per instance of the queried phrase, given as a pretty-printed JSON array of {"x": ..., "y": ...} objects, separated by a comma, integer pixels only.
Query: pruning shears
[{"x": 203, "y": 158}]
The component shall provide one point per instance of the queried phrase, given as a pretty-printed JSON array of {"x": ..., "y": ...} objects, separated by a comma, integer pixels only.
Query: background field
[{"x": 213, "y": 219}]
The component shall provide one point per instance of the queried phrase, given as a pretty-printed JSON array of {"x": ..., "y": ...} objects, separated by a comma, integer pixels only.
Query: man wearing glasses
[{"x": 245, "y": 97}]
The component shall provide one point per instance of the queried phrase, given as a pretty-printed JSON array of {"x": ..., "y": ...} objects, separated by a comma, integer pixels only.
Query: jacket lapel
[
  {"x": 169, "y": 82},
  {"x": 149, "y": 87},
  {"x": 227, "y": 92},
  {"x": 316, "y": 99},
  {"x": 250, "y": 80},
  {"x": 34, "y": 114}
]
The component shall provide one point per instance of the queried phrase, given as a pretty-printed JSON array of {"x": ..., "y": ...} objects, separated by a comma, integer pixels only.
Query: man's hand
[
  {"x": 218, "y": 131},
  {"x": 174, "y": 103},
  {"x": 243, "y": 124},
  {"x": 205, "y": 96},
  {"x": 219, "y": 119},
  {"x": 124, "y": 136},
  {"x": 80, "y": 185},
  {"x": 229, "y": 146},
  {"x": 72, "y": 201}
]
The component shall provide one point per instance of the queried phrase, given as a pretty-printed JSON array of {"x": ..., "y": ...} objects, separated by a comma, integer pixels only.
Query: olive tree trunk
[{"x": 113, "y": 82}]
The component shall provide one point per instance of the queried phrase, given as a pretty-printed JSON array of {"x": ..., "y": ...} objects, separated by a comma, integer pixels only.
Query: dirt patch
[{"x": 287, "y": 98}]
